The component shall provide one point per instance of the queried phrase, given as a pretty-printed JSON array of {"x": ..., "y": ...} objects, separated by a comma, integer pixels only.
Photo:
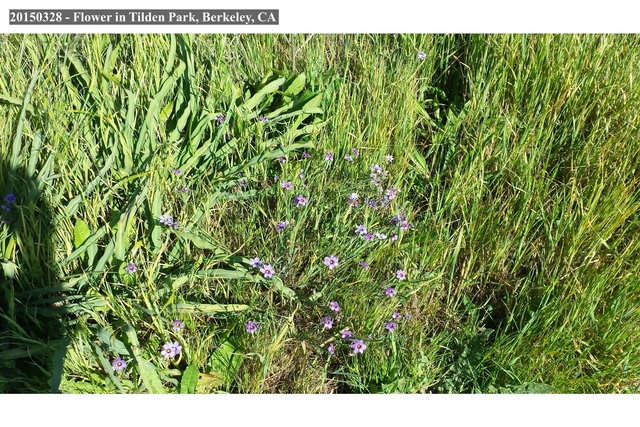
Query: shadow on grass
[{"x": 31, "y": 327}]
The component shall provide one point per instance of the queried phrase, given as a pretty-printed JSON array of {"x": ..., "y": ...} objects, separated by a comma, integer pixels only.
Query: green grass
[{"x": 515, "y": 157}]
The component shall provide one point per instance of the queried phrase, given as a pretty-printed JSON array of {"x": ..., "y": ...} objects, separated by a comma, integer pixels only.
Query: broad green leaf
[
  {"x": 114, "y": 344},
  {"x": 80, "y": 233},
  {"x": 150, "y": 377},
  {"x": 198, "y": 241},
  {"x": 189, "y": 380},
  {"x": 209, "y": 308},
  {"x": 284, "y": 290},
  {"x": 259, "y": 96},
  {"x": 226, "y": 362},
  {"x": 58, "y": 365},
  {"x": 296, "y": 86},
  {"x": 221, "y": 273}
]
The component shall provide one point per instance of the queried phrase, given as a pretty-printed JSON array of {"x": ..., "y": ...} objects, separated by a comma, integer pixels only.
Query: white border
[{"x": 325, "y": 410}]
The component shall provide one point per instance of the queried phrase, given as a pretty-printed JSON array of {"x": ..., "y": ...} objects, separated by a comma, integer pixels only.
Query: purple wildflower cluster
[
  {"x": 171, "y": 349},
  {"x": 331, "y": 349},
  {"x": 168, "y": 221},
  {"x": 300, "y": 200},
  {"x": 9, "y": 201},
  {"x": 282, "y": 225},
  {"x": 251, "y": 327},
  {"x": 119, "y": 364},
  {"x": 354, "y": 199},
  {"x": 266, "y": 269},
  {"x": 177, "y": 325},
  {"x": 331, "y": 261},
  {"x": 220, "y": 119},
  {"x": 131, "y": 268},
  {"x": 390, "y": 326},
  {"x": 390, "y": 292},
  {"x": 400, "y": 220},
  {"x": 358, "y": 346},
  {"x": 327, "y": 323}
]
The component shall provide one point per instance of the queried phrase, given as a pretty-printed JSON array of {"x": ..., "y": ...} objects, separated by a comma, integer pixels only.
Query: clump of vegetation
[{"x": 346, "y": 213}]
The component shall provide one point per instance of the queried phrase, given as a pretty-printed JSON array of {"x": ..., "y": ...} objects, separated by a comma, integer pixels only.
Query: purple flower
[
  {"x": 388, "y": 158},
  {"x": 251, "y": 326},
  {"x": 375, "y": 180},
  {"x": 263, "y": 119},
  {"x": 286, "y": 185},
  {"x": 300, "y": 200},
  {"x": 183, "y": 189},
  {"x": 390, "y": 326},
  {"x": 346, "y": 333},
  {"x": 348, "y": 158},
  {"x": 131, "y": 268},
  {"x": 306, "y": 155},
  {"x": 276, "y": 178},
  {"x": 177, "y": 325},
  {"x": 376, "y": 169},
  {"x": 394, "y": 237},
  {"x": 282, "y": 159},
  {"x": 327, "y": 322},
  {"x": 405, "y": 225},
  {"x": 282, "y": 225},
  {"x": 397, "y": 218},
  {"x": 331, "y": 349},
  {"x": 401, "y": 274},
  {"x": 166, "y": 220},
  {"x": 381, "y": 236},
  {"x": 396, "y": 316},
  {"x": 390, "y": 292},
  {"x": 364, "y": 265},
  {"x": 119, "y": 364},
  {"x": 10, "y": 198},
  {"x": 333, "y": 305},
  {"x": 220, "y": 119},
  {"x": 255, "y": 262},
  {"x": 267, "y": 271},
  {"x": 171, "y": 349},
  {"x": 391, "y": 193},
  {"x": 361, "y": 229},
  {"x": 353, "y": 199},
  {"x": 328, "y": 156},
  {"x": 358, "y": 346},
  {"x": 421, "y": 55},
  {"x": 6, "y": 208},
  {"x": 331, "y": 261},
  {"x": 242, "y": 182},
  {"x": 177, "y": 172},
  {"x": 355, "y": 152},
  {"x": 369, "y": 237},
  {"x": 407, "y": 316}
]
